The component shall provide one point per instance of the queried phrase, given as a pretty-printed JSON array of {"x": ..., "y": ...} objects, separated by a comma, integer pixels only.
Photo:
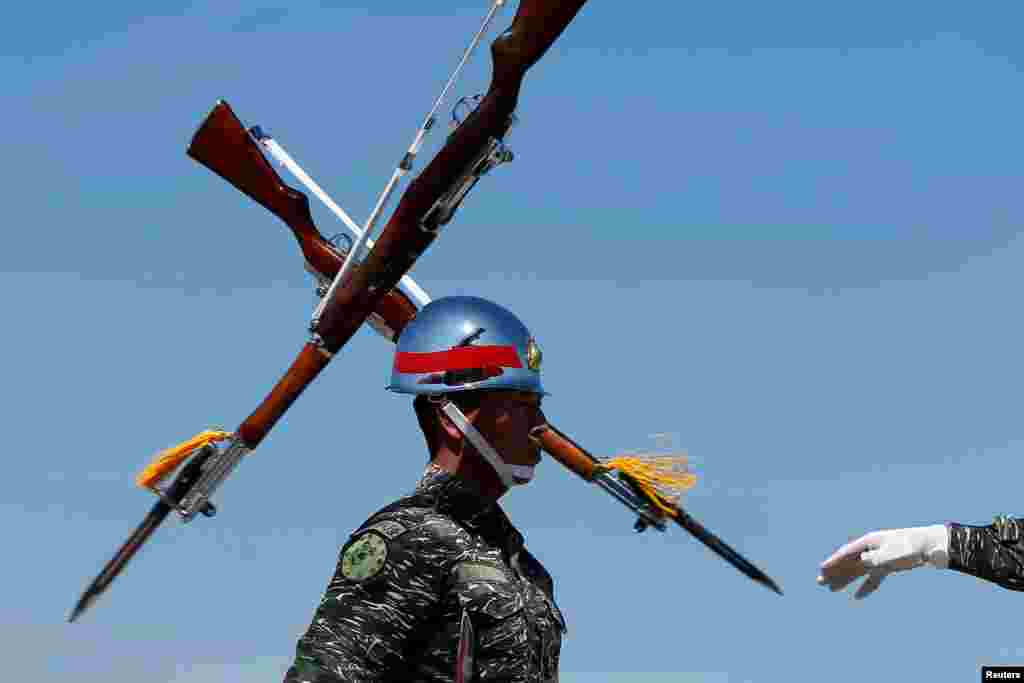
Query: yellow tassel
[
  {"x": 168, "y": 460},
  {"x": 662, "y": 477}
]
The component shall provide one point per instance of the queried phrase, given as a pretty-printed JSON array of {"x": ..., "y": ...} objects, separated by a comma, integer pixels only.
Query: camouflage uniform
[
  {"x": 436, "y": 582},
  {"x": 994, "y": 552}
]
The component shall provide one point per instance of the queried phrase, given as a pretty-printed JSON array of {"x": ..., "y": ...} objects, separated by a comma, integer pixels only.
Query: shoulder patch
[{"x": 365, "y": 556}]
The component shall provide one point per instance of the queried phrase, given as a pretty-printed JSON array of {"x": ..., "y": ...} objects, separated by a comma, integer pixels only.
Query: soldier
[
  {"x": 438, "y": 586},
  {"x": 994, "y": 553}
]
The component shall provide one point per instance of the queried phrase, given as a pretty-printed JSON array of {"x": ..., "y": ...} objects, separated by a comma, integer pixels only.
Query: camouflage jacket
[
  {"x": 994, "y": 552},
  {"x": 437, "y": 586}
]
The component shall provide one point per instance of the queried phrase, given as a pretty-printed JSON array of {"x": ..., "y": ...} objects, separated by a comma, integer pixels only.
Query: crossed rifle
[{"x": 380, "y": 291}]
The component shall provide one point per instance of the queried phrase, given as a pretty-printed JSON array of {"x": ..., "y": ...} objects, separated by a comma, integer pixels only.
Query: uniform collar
[
  {"x": 460, "y": 498},
  {"x": 453, "y": 494}
]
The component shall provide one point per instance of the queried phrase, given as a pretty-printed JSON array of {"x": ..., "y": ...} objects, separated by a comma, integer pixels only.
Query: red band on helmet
[{"x": 463, "y": 358}]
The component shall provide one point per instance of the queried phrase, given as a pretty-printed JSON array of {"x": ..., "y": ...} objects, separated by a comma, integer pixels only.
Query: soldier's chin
[{"x": 522, "y": 474}]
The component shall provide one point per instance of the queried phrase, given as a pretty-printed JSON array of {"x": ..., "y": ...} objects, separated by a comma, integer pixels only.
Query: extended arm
[{"x": 994, "y": 553}]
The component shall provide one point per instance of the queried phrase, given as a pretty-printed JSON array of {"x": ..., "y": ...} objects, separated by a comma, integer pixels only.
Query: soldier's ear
[{"x": 470, "y": 403}]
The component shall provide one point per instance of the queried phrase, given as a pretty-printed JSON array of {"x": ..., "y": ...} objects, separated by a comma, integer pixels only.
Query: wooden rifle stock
[{"x": 223, "y": 145}]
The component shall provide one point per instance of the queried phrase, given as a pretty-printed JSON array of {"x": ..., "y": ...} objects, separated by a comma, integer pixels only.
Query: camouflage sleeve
[
  {"x": 994, "y": 553},
  {"x": 378, "y": 607}
]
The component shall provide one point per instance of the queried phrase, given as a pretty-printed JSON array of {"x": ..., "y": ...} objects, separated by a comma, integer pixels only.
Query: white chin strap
[{"x": 510, "y": 475}]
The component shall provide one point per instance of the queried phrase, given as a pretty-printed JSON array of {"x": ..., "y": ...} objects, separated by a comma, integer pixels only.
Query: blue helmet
[{"x": 465, "y": 343}]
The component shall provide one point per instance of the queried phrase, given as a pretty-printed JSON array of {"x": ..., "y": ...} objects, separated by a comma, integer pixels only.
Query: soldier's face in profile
[{"x": 505, "y": 418}]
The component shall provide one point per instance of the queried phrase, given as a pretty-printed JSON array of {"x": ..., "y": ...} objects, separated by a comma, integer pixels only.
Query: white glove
[{"x": 881, "y": 553}]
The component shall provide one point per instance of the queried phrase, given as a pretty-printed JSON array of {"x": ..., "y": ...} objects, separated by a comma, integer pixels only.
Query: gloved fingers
[
  {"x": 842, "y": 573},
  {"x": 870, "y": 585},
  {"x": 845, "y": 565}
]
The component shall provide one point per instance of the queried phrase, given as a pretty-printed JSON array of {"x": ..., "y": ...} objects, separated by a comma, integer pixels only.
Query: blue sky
[{"x": 787, "y": 233}]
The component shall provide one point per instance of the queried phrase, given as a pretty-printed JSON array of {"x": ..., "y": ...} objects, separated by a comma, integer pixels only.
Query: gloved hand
[{"x": 881, "y": 553}]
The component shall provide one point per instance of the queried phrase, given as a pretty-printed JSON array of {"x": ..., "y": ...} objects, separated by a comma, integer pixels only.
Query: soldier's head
[{"x": 475, "y": 371}]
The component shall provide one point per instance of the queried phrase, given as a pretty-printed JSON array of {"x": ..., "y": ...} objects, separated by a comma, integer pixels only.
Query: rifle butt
[{"x": 223, "y": 145}]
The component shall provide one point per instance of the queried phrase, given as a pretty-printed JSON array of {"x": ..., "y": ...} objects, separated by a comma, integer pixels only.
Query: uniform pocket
[
  {"x": 489, "y": 603},
  {"x": 498, "y": 615},
  {"x": 487, "y": 592}
]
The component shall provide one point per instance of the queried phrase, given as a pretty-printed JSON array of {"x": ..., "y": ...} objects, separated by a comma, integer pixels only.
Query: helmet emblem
[{"x": 533, "y": 355}]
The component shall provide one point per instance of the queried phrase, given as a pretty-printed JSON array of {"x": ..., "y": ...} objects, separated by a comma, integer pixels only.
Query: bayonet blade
[
  {"x": 697, "y": 530},
  {"x": 120, "y": 560},
  {"x": 723, "y": 550},
  {"x": 169, "y": 499}
]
